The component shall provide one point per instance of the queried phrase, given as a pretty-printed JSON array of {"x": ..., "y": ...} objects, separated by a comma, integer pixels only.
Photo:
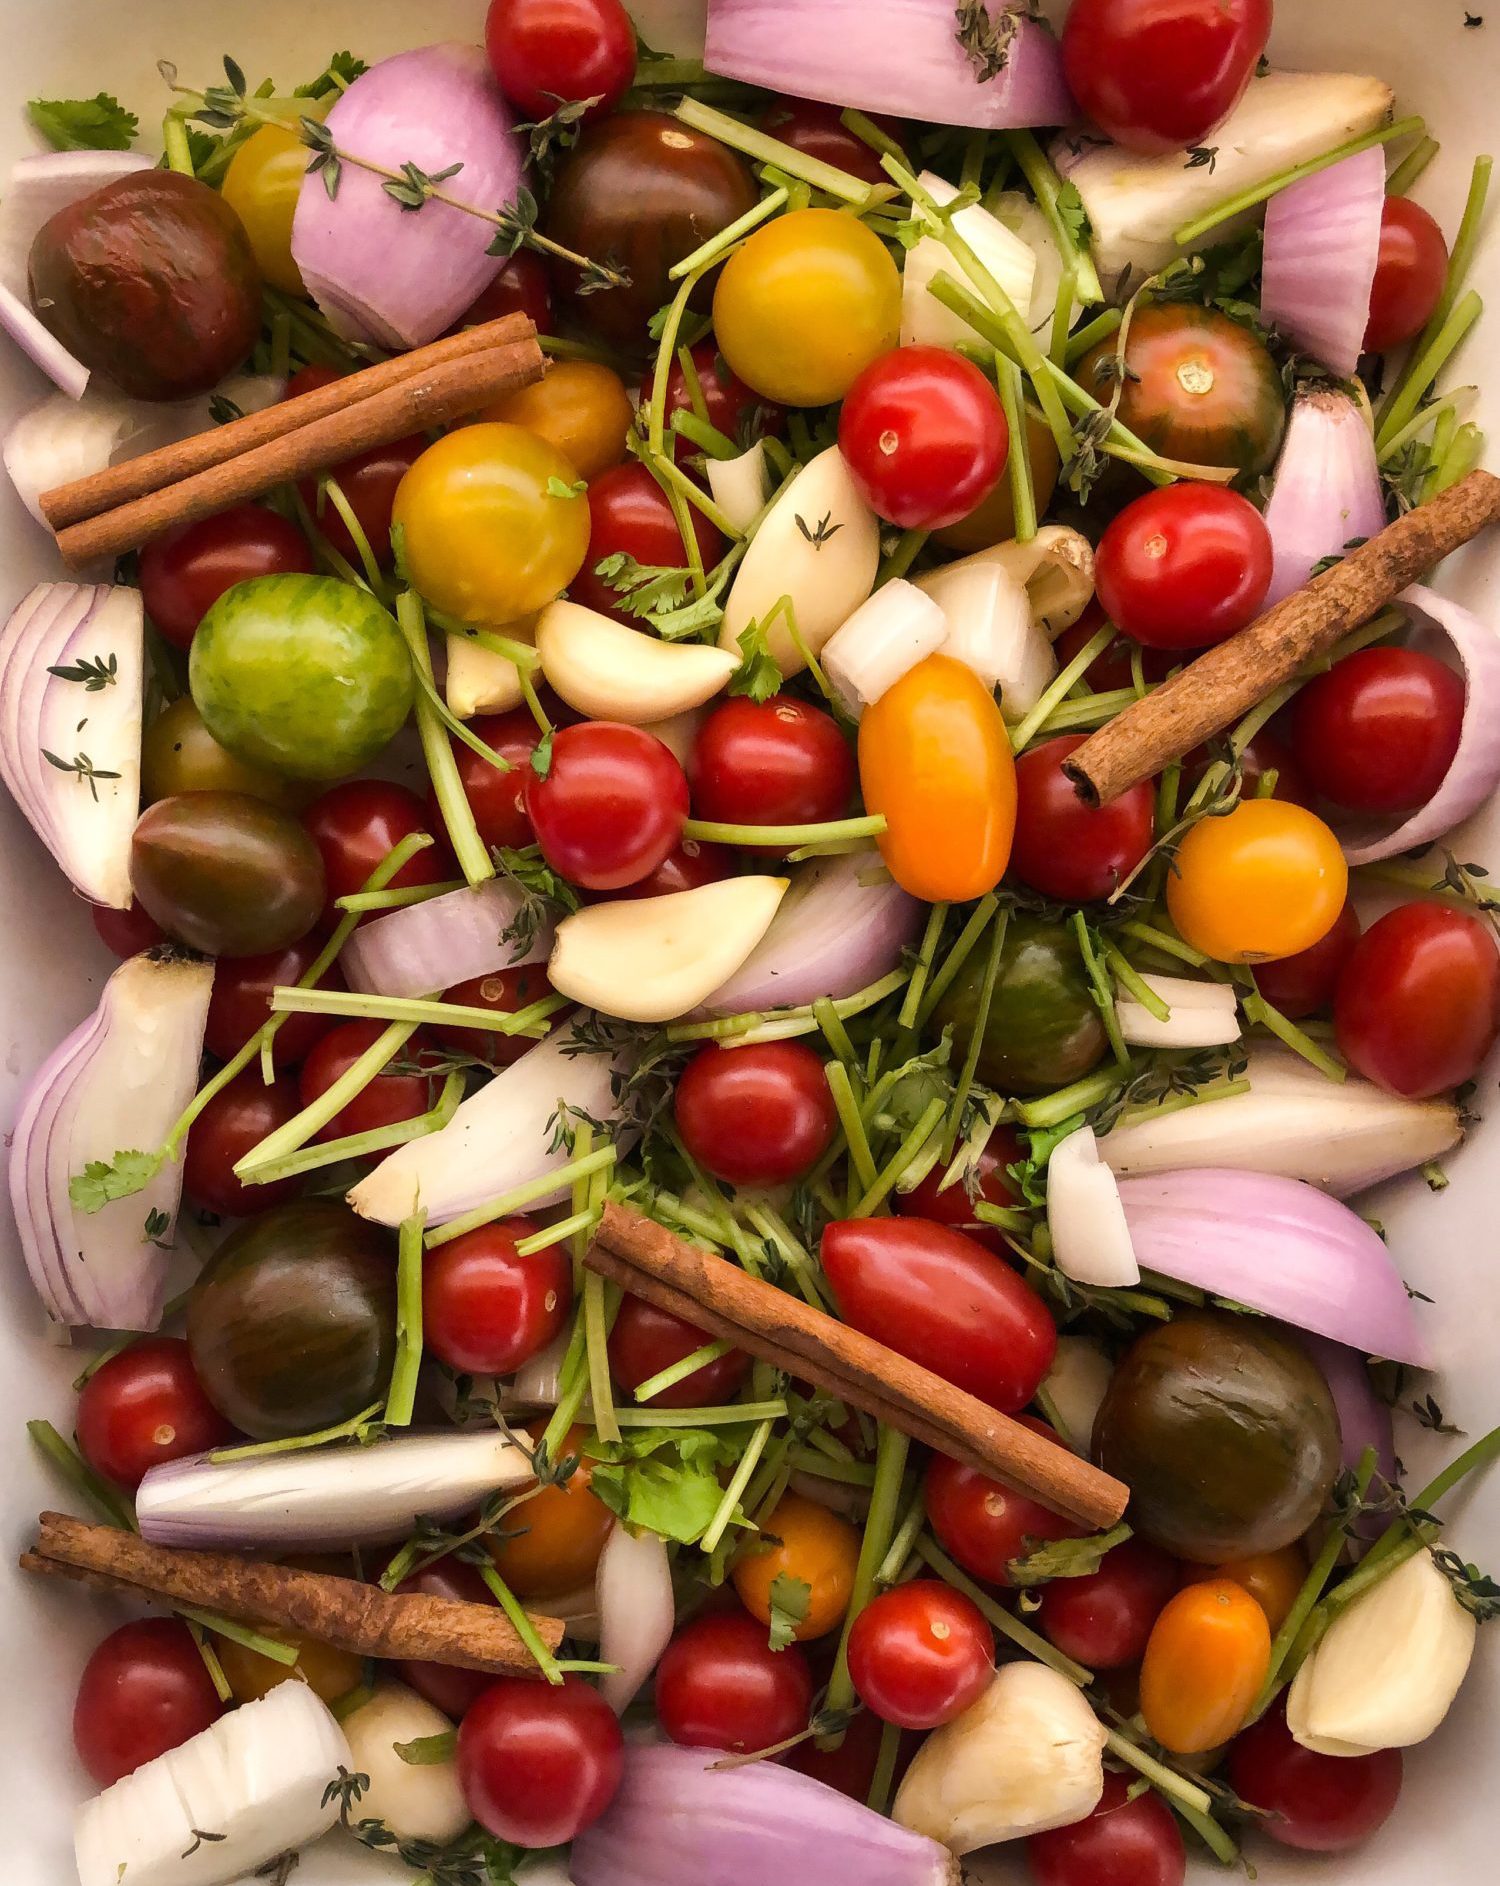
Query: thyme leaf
[
  {"x": 96, "y": 673},
  {"x": 84, "y": 767}
]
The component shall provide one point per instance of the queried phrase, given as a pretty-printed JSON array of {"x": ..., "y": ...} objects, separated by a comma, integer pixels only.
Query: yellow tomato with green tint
[
  {"x": 494, "y": 523},
  {"x": 1267, "y": 881},
  {"x": 261, "y": 186},
  {"x": 805, "y": 306}
]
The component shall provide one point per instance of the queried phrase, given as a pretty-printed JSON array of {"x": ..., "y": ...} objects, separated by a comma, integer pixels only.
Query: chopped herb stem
[
  {"x": 980, "y": 919},
  {"x": 312, "y": 1119},
  {"x": 1047, "y": 187},
  {"x": 578, "y": 1225},
  {"x": 1022, "y": 490},
  {"x": 524, "y": 1628},
  {"x": 717, "y": 247},
  {"x": 402, "y": 1398},
  {"x": 965, "y": 1082},
  {"x": 734, "y": 1492},
  {"x": 1258, "y": 1009},
  {"x": 868, "y": 132},
  {"x": 847, "y": 1107},
  {"x": 1135, "y": 985},
  {"x": 1021, "y": 1635},
  {"x": 1026, "y": 729},
  {"x": 520, "y": 1196},
  {"x": 1052, "y": 1109},
  {"x": 891, "y": 1451},
  {"x": 361, "y": 903},
  {"x": 1428, "y": 361},
  {"x": 708, "y": 438},
  {"x": 301, "y": 1443},
  {"x": 1088, "y": 338},
  {"x": 768, "y": 150},
  {"x": 109, "y": 1501},
  {"x": 458, "y": 817},
  {"x": 1412, "y": 166},
  {"x": 531, "y": 1020},
  {"x": 909, "y": 546},
  {"x": 710, "y": 831},
  {"x": 729, "y": 1414},
  {"x": 875, "y": 1195},
  {"x": 931, "y": 936},
  {"x": 284, "y": 1654}
]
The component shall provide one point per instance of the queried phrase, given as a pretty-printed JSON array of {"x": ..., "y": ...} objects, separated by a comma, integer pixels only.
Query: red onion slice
[
  {"x": 429, "y": 947},
  {"x": 899, "y": 56},
  {"x": 401, "y": 277},
  {"x": 637, "y": 1611},
  {"x": 1322, "y": 245},
  {"x": 1327, "y": 492}
]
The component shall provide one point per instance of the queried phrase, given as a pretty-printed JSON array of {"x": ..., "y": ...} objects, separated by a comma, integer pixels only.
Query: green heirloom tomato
[
  {"x": 227, "y": 874},
  {"x": 303, "y": 674},
  {"x": 1043, "y": 1029}
]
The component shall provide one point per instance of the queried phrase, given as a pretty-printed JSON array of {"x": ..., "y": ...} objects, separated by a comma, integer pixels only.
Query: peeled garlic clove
[
  {"x": 1203, "y": 1015},
  {"x": 480, "y": 681},
  {"x": 652, "y": 959},
  {"x": 738, "y": 485},
  {"x": 1027, "y": 1757},
  {"x": 609, "y": 671},
  {"x": 416, "y": 1800},
  {"x": 1090, "y": 1238}
]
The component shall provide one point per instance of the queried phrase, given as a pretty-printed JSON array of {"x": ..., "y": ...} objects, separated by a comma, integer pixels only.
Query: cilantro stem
[
  {"x": 1047, "y": 187},
  {"x": 1022, "y": 491},
  {"x": 1088, "y": 338},
  {"x": 547, "y": 1186},
  {"x": 860, "y": 1156},
  {"x": 1062, "y": 316},
  {"x": 361, "y": 903},
  {"x": 1021, "y": 1635},
  {"x": 1185, "y": 1793},
  {"x": 768, "y": 150},
  {"x": 1428, "y": 361},
  {"x": 327, "y": 1107},
  {"x": 1053, "y": 1109},
  {"x": 834, "y": 1031},
  {"x": 734, "y": 1492},
  {"x": 377, "y": 1139},
  {"x": 1102, "y": 987},
  {"x": 402, "y": 1397},
  {"x": 725, "y": 1415},
  {"x": 523, "y": 654},
  {"x": 784, "y": 1024},
  {"x": 330, "y": 489},
  {"x": 1027, "y": 728},
  {"x": 580, "y": 1224},
  {"x": 883, "y": 1779},
  {"x": 678, "y": 479},
  {"x": 868, "y": 132},
  {"x": 300, "y": 1443},
  {"x": 110, "y": 1502},
  {"x": 1258, "y": 1009},
  {"x": 964, "y": 1085},
  {"x": 458, "y": 817},
  {"x": 1135, "y": 985},
  {"x": 531, "y": 1020},
  {"x": 870, "y": 826},
  {"x": 909, "y": 546},
  {"x": 573, "y": 1385},
  {"x": 964, "y": 945},
  {"x": 890, "y": 1174},
  {"x": 597, "y": 1318},
  {"x": 1460, "y": 265},
  {"x": 903, "y": 1541},
  {"x": 891, "y": 1450},
  {"x": 937, "y": 916},
  {"x": 708, "y": 438},
  {"x": 524, "y": 1628},
  {"x": 1411, "y": 167},
  {"x": 677, "y": 1372},
  {"x": 271, "y": 1647},
  {"x": 717, "y": 247},
  {"x": 1456, "y": 460}
]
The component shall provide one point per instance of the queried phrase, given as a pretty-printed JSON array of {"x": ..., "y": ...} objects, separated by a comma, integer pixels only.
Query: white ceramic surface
[{"x": 51, "y": 966}]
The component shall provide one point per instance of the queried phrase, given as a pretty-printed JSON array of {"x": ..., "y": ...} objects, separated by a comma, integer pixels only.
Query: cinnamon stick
[
  {"x": 726, "y": 1302},
  {"x": 1222, "y": 686},
  {"x": 121, "y": 484},
  {"x": 451, "y": 390},
  {"x": 358, "y": 1618}
]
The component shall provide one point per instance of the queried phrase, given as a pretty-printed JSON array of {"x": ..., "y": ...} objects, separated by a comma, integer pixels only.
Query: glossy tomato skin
[
  {"x": 612, "y": 806},
  {"x": 523, "y": 286},
  {"x": 452, "y": 1690},
  {"x": 145, "y": 1690},
  {"x": 629, "y": 514},
  {"x": 920, "y": 1654},
  {"x": 1267, "y": 880},
  {"x": 813, "y": 1545},
  {"x": 387, "y": 1100},
  {"x": 1207, "y": 1656},
  {"x": 358, "y": 824},
  {"x": 1184, "y": 567},
  {"x": 1066, "y": 849},
  {"x": 1104, "y": 1619},
  {"x": 232, "y": 1124},
  {"x": 1314, "y": 1803},
  {"x": 369, "y": 482},
  {"x": 1377, "y": 734},
  {"x": 184, "y": 572},
  {"x": 143, "y": 1407},
  {"x": 924, "y": 436},
  {"x": 241, "y": 1003},
  {"x": 720, "y": 1685},
  {"x": 732, "y": 408},
  {"x": 581, "y": 408},
  {"x": 1123, "y": 1842},
  {"x": 952, "y": 1205},
  {"x": 1304, "y": 984},
  {"x": 1417, "y": 1006},
  {"x": 538, "y": 1763},
  {"x": 126, "y": 932},
  {"x": 775, "y": 762},
  {"x": 985, "y": 1525},
  {"x": 548, "y": 51},
  {"x": 818, "y": 130},
  {"x": 760, "y": 1115},
  {"x": 486, "y": 1309},
  {"x": 497, "y": 800},
  {"x": 1409, "y": 275},
  {"x": 934, "y": 1295},
  {"x": 687, "y": 867},
  {"x": 1160, "y": 75},
  {"x": 645, "y": 1340},
  {"x": 507, "y": 991},
  {"x": 554, "y": 1544}
]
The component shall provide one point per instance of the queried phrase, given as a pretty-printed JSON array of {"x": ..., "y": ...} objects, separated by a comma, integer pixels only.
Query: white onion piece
[
  {"x": 1322, "y": 245},
  {"x": 1327, "y": 491},
  {"x": 1055, "y": 568},
  {"x": 384, "y": 274},
  {"x": 637, "y": 1611},
  {"x": 38, "y": 188},
  {"x": 1203, "y": 1015},
  {"x": 1023, "y": 217},
  {"x": 1090, "y": 1237},
  {"x": 925, "y": 322},
  {"x": 884, "y": 639},
  {"x": 991, "y": 629},
  {"x": 739, "y": 485},
  {"x": 834, "y": 934},
  {"x": 429, "y": 947},
  {"x": 118, "y": 1082},
  {"x": 1282, "y": 1247}
]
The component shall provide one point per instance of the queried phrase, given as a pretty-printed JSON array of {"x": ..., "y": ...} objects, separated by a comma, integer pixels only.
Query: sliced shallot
[
  {"x": 429, "y": 947},
  {"x": 637, "y": 1611},
  {"x": 1327, "y": 492},
  {"x": 1322, "y": 246}
]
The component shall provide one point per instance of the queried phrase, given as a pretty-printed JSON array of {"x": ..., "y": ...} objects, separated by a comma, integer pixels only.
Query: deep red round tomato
[
  {"x": 920, "y": 1654},
  {"x": 1378, "y": 733},
  {"x": 551, "y": 52},
  {"x": 506, "y": 991},
  {"x": 775, "y": 762},
  {"x": 231, "y": 1125},
  {"x": 720, "y": 1685},
  {"x": 538, "y": 1763},
  {"x": 629, "y": 515},
  {"x": 497, "y": 799},
  {"x": 369, "y": 482},
  {"x": 1160, "y": 75},
  {"x": 1113, "y": 668},
  {"x": 1409, "y": 275},
  {"x": 924, "y": 436},
  {"x": 1065, "y": 849},
  {"x": 646, "y": 1340},
  {"x": 185, "y": 571},
  {"x": 145, "y": 1406},
  {"x": 387, "y": 1100},
  {"x": 1266, "y": 753},
  {"x": 733, "y": 408},
  {"x": 818, "y": 130},
  {"x": 612, "y": 806},
  {"x": 144, "y": 1691},
  {"x": 1123, "y": 1842},
  {"x": 934, "y": 1295},
  {"x": 1315, "y": 1803},
  {"x": 241, "y": 1002},
  {"x": 126, "y": 932},
  {"x": 983, "y": 1524},
  {"x": 686, "y": 867},
  {"x": 1417, "y": 1006},
  {"x": 486, "y": 1310},
  {"x": 1303, "y": 985},
  {"x": 1184, "y": 567},
  {"x": 523, "y": 286},
  {"x": 446, "y": 1687},
  {"x": 954, "y": 1205},
  {"x": 357, "y": 825},
  {"x": 755, "y": 1116},
  {"x": 1102, "y": 1621}
]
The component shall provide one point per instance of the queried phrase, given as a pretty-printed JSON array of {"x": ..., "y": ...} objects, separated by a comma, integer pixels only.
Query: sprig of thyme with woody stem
[{"x": 474, "y": 1859}]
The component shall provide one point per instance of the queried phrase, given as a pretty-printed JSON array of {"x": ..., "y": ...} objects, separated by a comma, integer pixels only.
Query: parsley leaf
[
  {"x": 341, "y": 71},
  {"x": 790, "y": 1598},
  {"x": 102, "y": 1181},
  {"x": 84, "y": 124},
  {"x": 1073, "y": 216},
  {"x": 757, "y": 675}
]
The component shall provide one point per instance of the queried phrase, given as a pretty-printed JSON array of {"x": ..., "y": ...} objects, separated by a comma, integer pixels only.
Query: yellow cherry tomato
[
  {"x": 556, "y": 1537},
  {"x": 807, "y": 1543},
  {"x": 179, "y": 754},
  {"x": 1272, "y": 1579},
  {"x": 806, "y": 305},
  {"x": 581, "y": 407},
  {"x": 1268, "y": 880},
  {"x": 261, "y": 186},
  {"x": 327, "y": 1672},
  {"x": 493, "y": 526},
  {"x": 1205, "y": 1661},
  {"x": 935, "y": 758}
]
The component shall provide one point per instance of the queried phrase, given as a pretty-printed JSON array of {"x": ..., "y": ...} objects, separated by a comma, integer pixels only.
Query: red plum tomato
[
  {"x": 1417, "y": 1006},
  {"x": 1064, "y": 848},
  {"x": 1304, "y": 984}
]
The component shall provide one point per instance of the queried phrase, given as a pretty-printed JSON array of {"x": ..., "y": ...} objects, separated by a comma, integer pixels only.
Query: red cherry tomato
[
  {"x": 452, "y": 1690},
  {"x": 387, "y": 1100},
  {"x": 646, "y": 1340},
  {"x": 486, "y": 1310},
  {"x": 920, "y": 1654},
  {"x": 1315, "y": 1803},
  {"x": 1184, "y": 567},
  {"x": 1113, "y": 668},
  {"x": 1378, "y": 733},
  {"x": 720, "y": 1685},
  {"x": 924, "y": 436},
  {"x": 497, "y": 799},
  {"x": 1417, "y": 1007},
  {"x": 1266, "y": 753},
  {"x": 241, "y": 1002},
  {"x": 629, "y": 515},
  {"x": 523, "y": 286},
  {"x": 506, "y": 991},
  {"x": 369, "y": 482},
  {"x": 818, "y": 130},
  {"x": 1121, "y": 1843},
  {"x": 357, "y": 825},
  {"x": 612, "y": 806},
  {"x": 551, "y": 52},
  {"x": 1303, "y": 985},
  {"x": 1104, "y": 1620},
  {"x": 756, "y": 1116},
  {"x": 145, "y": 1406},
  {"x": 775, "y": 762},
  {"x": 231, "y": 1125},
  {"x": 1065, "y": 849},
  {"x": 144, "y": 1691},
  {"x": 1409, "y": 275},
  {"x": 1160, "y": 75},
  {"x": 686, "y": 867},
  {"x": 733, "y": 408},
  {"x": 934, "y": 1295},
  {"x": 538, "y": 1763},
  {"x": 126, "y": 932},
  {"x": 184, "y": 572},
  {"x": 953, "y": 1205},
  {"x": 984, "y": 1525}
]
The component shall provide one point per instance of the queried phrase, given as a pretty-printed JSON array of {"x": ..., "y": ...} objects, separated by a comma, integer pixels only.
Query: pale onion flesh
[
  {"x": 884, "y": 639},
  {"x": 636, "y": 1609},
  {"x": 1202, "y": 1015},
  {"x": 1090, "y": 1238},
  {"x": 1327, "y": 493},
  {"x": 739, "y": 485},
  {"x": 1075, "y": 1387},
  {"x": 925, "y": 321},
  {"x": 429, "y": 947},
  {"x": 1055, "y": 568},
  {"x": 992, "y": 630}
]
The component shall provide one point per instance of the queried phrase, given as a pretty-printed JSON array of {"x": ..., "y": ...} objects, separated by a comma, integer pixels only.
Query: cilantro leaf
[
  {"x": 84, "y": 124},
  {"x": 790, "y": 1598},
  {"x": 1064, "y": 1558},
  {"x": 341, "y": 71},
  {"x": 1072, "y": 214},
  {"x": 541, "y": 754},
  {"x": 757, "y": 675},
  {"x": 102, "y": 1181},
  {"x": 665, "y": 1480}
]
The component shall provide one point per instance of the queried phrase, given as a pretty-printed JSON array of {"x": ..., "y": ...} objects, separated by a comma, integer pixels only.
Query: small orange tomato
[
  {"x": 581, "y": 408},
  {"x": 556, "y": 1535},
  {"x": 327, "y": 1672},
  {"x": 935, "y": 758},
  {"x": 1267, "y": 881},
  {"x": 1207, "y": 1657},
  {"x": 809, "y": 1543},
  {"x": 1272, "y": 1579}
]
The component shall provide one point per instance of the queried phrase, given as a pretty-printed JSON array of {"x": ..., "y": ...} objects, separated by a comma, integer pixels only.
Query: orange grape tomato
[
  {"x": 1206, "y": 1659},
  {"x": 935, "y": 758},
  {"x": 807, "y": 1542},
  {"x": 327, "y": 1672},
  {"x": 1272, "y": 1579},
  {"x": 581, "y": 408},
  {"x": 1267, "y": 881},
  {"x": 556, "y": 1536}
]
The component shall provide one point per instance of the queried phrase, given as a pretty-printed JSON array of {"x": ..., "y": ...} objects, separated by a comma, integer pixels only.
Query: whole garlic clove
[{"x": 610, "y": 671}]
